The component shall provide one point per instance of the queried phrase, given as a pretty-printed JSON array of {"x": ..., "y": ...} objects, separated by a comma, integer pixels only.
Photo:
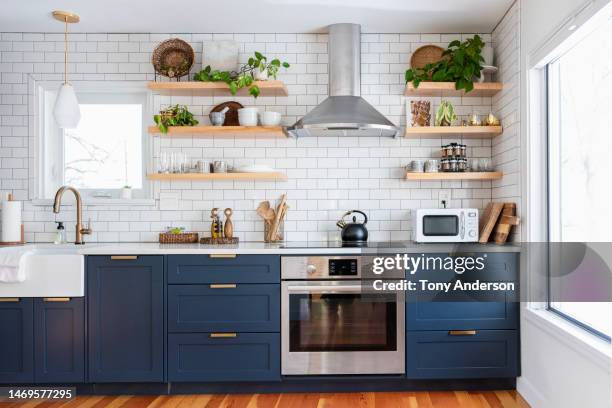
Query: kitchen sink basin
[{"x": 51, "y": 271}]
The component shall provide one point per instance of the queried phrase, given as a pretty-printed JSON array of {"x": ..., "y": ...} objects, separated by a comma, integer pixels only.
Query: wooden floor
[{"x": 445, "y": 399}]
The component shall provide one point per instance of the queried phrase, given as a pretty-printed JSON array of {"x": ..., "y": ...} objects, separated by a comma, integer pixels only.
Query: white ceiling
[{"x": 259, "y": 16}]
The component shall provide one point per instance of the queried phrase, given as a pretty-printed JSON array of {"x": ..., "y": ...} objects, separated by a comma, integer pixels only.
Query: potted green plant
[
  {"x": 257, "y": 67},
  {"x": 461, "y": 64},
  {"x": 175, "y": 115}
]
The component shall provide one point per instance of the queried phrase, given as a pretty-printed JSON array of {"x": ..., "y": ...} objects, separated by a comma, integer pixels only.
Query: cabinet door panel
[
  {"x": 59, "y": 336},
  {"x": 16, "y": 341},
  {"x": 438, "y": 354},
  {"x": 240, "y": 308},
  {"x": 209, "y": 269},
  {"x": 126, "y": 319},
  {"x": 245, "y": 357}
]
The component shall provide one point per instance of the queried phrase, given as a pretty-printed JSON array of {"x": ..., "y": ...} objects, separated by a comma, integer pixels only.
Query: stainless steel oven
[{"x": 331, "y": 325}]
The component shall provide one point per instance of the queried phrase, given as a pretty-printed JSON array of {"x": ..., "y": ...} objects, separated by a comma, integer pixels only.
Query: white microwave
[{"x": 446, "y": 225}]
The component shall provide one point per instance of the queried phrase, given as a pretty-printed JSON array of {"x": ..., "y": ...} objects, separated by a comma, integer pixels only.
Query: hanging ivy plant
[
  {"x": 461, "y": 63},
  {"x": 245, "y": 76}
]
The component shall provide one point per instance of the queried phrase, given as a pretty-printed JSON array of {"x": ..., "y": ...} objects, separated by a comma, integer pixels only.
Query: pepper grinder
[
  {"x": 228, "y": 229},
  {"x": 216, "y": 225}
]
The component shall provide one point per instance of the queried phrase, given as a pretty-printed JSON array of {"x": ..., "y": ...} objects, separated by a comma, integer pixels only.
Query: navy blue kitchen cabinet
[
  {"x": 462, "y": 354},
  {"x": 16, "y": 340},
  {"x": 59, "y": 340},
  {"x": 470, "y": 337},
  {"x": 196, "y": 357},
  {"x": 194, "y": 269},
  {"x": 224, "y": 307},
  {"x": 126, "y": 318},
  {"x": 471, "y": 312}
]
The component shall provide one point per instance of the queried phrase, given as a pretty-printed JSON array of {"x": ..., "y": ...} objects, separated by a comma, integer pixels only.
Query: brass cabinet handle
[
  {"x": 222, "y": 255},
  {"x": 10, "y": 299},
  {"x": 223, "y": 286},
  {"x": 56, "y": 299},
  {"x": 124, "y": 257},
  {"x": 222, "y": 335},
  {"x": 462, "y": 332}
]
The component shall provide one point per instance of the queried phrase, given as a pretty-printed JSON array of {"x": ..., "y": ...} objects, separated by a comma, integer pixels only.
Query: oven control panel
[{"x": 343, "y": 267}]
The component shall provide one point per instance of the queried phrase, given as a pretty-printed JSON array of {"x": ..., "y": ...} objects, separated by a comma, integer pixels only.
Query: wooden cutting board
[
  {"x": 488, "y": 220},
  {"x": 506, "y": 221},
  {"x": 231, "y": 116}
]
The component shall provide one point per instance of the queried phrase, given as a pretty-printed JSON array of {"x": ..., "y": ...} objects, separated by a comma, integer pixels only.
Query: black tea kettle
[{"x": 354, "y": 231}]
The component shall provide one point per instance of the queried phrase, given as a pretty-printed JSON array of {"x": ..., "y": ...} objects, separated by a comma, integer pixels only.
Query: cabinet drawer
[
  {"x": 224, "y": 307},
  {"x": 211, "y": 269},
  {"x": 241, "y": 357},
  {"x": 461, "y": 315},
  {"x": 438, "y": 354}
]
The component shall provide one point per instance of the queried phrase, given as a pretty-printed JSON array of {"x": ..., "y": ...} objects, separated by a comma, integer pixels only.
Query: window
[
  {"x": 580, "y": 161},
  {"x": 105, "y": 152}
]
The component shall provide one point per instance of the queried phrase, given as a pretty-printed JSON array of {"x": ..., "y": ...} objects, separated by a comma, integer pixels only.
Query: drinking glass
[
  {"x": 163, "y": 163},
  {"x": 485, "y": 164}
]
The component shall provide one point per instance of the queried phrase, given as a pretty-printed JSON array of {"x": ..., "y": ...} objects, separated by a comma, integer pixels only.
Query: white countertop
[{"x": 289, "y": 248}]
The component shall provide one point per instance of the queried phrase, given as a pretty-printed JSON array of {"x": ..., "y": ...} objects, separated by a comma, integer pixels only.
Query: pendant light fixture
[{"x": 66, "y": 111}]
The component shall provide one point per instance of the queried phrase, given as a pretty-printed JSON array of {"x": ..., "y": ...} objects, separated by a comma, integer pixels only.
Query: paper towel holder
[{"x": 14, "y": 243}]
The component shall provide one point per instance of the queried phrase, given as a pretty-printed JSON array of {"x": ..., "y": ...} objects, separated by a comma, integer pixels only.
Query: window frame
[
  {"x": 552, "y": 104},
  {"x": 46, "y": 184}
]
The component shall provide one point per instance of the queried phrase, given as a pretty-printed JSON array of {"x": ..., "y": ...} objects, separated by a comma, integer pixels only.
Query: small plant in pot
[
  {"x": 461, "y": 64},
  {"x": 175, "y": 115},
  {"x": 257, "y": 68}
]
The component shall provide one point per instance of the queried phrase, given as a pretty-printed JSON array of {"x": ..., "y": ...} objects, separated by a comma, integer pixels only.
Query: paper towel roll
[{"x": 11, "y": 221}]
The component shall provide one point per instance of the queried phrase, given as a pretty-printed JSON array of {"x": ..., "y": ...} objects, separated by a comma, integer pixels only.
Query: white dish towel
[{"x": 12, "y": 265}]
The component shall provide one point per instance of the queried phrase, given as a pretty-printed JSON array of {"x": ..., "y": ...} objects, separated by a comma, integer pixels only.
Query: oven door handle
[{"x": 325, "y": 288}]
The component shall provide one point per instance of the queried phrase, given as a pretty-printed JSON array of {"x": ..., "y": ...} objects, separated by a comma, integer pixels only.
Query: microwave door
[{"x": 441, "y": 225}]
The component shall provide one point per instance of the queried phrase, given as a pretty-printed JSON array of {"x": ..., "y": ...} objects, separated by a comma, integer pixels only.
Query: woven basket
[
  {"x": 173, "y": 58},
  {"x": 424, "y": 55},
  {"x": 182, "y": 238}
]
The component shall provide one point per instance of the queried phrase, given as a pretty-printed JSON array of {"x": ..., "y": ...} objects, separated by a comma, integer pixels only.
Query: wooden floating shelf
[
  {"x": 223, "y": 131},
  {"x": 488, "y": 175},
  {"x": 216, "y": 176},
  {"x": 448, "y": 89},
  {"x": 197, "y": 88},
  {"x": 467, "y": 132}
]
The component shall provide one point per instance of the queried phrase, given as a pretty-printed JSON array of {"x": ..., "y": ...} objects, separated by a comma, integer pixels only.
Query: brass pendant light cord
[{"x": 66, "y": 51}]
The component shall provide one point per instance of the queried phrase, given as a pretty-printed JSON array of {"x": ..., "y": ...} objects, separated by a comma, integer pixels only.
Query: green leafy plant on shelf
[
  {"x": 176, "y": 115},
  {"x": 461, "y": 62},
  {"x": 245, "y": 76}
]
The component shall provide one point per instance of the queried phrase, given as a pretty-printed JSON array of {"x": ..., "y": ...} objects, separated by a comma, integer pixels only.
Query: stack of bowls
[
  {"x": 269, "y": 118},
  {"x": 247, "y": 116}
]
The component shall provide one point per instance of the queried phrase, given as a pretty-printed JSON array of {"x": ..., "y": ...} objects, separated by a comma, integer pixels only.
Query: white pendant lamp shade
[{"x": 66, "y": 112}]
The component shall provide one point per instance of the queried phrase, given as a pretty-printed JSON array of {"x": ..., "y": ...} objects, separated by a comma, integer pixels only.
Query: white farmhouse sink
[{"x": 51, "y": 271}]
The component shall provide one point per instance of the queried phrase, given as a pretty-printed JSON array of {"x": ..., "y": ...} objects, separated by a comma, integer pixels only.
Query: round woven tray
[
  {"x": 424, "y": 55},
  {"x": 173, "y": 58}
]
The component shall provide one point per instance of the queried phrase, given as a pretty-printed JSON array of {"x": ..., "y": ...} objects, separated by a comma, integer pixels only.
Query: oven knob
[{"x": 310, "y": 269}]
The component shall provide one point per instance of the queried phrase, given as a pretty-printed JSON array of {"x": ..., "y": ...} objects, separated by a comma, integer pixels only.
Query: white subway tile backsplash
[{"x": 326, "y": 175}]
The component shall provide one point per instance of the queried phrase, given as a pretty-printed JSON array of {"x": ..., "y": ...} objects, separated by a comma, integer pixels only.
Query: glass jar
[
  {"x": 462, "y": 164},
  {"x": 453, "y": 165},
  {"x": 445, "y": 164}
]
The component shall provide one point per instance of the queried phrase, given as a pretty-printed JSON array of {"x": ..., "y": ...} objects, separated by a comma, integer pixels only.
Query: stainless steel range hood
[{"x": 344, "y": 112}]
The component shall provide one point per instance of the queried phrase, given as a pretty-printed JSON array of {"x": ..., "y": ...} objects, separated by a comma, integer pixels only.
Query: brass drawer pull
[
  {"x": 124, "y": 257},
  {"x": 462, "y": 332},
  {"x": 56, "y": 299},
  {"x": 222, "y": 335},
  {"x": 11, "y": 299},
  {"x": 222, "y": 255},
  {"x": 223, "y": 286}
]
